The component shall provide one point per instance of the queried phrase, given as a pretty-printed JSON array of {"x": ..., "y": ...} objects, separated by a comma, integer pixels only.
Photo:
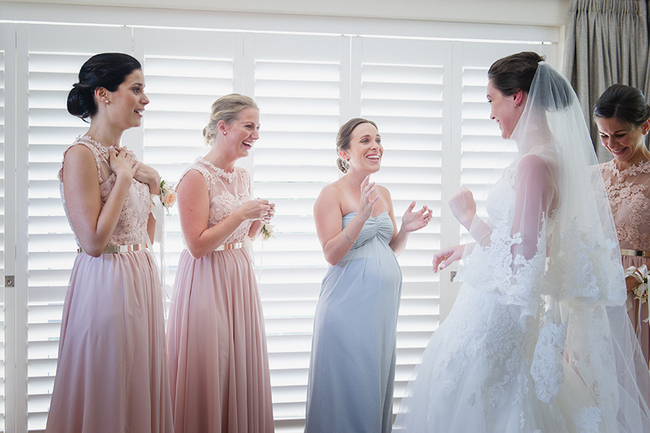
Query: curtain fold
[{"x": 606, "y": 43}]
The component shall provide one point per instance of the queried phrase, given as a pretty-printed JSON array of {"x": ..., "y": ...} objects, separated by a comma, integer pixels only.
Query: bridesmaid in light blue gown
[{"x": 353, "y": 350}]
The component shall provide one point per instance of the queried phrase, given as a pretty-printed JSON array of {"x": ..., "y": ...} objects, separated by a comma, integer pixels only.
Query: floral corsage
[
  {"x": 267, "y": 232},
  {"x": 167, "y": 194}
]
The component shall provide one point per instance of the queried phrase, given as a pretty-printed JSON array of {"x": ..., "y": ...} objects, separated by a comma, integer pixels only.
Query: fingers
[
  {"x": 412, "y": 205},
  {"x": 267, "y": 210},
  {"x": 437, "y": 259}
]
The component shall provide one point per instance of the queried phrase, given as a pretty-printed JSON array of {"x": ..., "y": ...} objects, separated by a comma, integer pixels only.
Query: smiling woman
[
  {"x": 353, "y": 351},
  {"x": 112, "y": 309},
  {"x": 217, "y": 346},
  {"x": 622, "y": 114}
]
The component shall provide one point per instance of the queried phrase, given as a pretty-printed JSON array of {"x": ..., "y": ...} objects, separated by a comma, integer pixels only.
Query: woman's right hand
[
  {"x": 368, "y": 198},
  {"x": 463, "y": 207},
  {"x": 122, "y": 163},
  {"x": 447, "y": 256},
  {"x": 256, "y": 209}
]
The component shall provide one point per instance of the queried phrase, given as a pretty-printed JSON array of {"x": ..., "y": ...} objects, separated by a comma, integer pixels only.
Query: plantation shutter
[{"x": 297, "y": 87}]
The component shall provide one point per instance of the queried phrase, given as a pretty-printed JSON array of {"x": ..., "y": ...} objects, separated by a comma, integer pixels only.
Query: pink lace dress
[
  {"x": 112, "y": 369},
  {"x": 217, "y": 345},
  {"x": 629, "y": 197}
]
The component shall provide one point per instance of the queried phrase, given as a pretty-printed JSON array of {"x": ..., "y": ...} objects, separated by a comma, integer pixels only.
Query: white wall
[{"x": 535, "y": 12}]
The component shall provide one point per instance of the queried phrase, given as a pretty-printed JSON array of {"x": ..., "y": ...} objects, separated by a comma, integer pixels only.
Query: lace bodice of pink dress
[
  {"x": 132, "y": 224},
  {"x": 227, "y": 191},
  {"x": 629, "y": 196}
]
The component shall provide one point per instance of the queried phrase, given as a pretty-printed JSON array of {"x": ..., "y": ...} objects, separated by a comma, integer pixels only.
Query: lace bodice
[
  {"x": 227, "y": 191},
  {"x": 629, "y": 196},
  {"x": 132, "y": 223}
]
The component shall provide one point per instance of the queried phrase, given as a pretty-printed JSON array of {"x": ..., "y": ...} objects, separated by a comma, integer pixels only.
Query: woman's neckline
[{"x": 228, "y": 175}]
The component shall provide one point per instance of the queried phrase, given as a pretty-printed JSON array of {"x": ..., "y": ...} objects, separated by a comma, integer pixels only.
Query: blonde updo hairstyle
[
  {"x": 226, "y": 108},
  {"x": 343, "y": 140}
]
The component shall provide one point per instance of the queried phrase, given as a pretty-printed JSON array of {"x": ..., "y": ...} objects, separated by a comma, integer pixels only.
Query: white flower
[{"x": 267, "y": 232}]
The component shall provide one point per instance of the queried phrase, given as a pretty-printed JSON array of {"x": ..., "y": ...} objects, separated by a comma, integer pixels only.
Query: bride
[{"x": 537, "y": 341}]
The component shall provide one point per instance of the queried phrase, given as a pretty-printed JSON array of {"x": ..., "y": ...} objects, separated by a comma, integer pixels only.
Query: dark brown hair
[
  {"x": 514, "y": 72},
  {"x": 107, "y": 70},
  {"x": 625, "y": 103}
]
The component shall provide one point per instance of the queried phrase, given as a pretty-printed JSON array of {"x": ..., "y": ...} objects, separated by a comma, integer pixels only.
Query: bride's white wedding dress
[{"x": 538, "y": 340}]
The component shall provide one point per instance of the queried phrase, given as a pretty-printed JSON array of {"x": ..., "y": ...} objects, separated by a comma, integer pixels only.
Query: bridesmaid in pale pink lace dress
[
  {"x": 112, "y": 373},
  {"x": 217, "y": 345},
  {"x": 622, "y": 114}
]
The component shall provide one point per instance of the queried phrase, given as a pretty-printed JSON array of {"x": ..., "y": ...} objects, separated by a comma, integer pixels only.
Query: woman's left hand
[
  {"x": 148, "y": 175},
  {"x": 412, "y": 221}
]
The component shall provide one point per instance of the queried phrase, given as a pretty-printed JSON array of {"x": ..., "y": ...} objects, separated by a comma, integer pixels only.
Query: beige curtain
[{"x": 606, "y": 43}]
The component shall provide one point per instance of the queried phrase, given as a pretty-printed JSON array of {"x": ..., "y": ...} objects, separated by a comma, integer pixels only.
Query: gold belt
[
  {"x": 636, "y": 253},
  {"x": 115, "y": 249},
  {"x": 234, "y": 246}
]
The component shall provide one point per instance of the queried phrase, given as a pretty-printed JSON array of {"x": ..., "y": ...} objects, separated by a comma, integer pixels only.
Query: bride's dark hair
[
  {"x": 107, "y": 70},
  {"x": 517, "y": 71}
]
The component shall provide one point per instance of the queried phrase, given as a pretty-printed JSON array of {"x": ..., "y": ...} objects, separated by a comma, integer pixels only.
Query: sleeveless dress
[
  {"x": 629, "y": 196},
  {"x": 353, "y": 350},
  {"x": 112, "y": 369},
  {"x": 217, "y": 344}
]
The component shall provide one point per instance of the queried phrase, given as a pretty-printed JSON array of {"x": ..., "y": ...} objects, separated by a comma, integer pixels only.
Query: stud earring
[{"x": 107, "y": 101}]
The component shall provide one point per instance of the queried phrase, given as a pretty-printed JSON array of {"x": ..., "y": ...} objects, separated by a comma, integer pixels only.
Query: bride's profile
[{"x": 537, "y": 340}]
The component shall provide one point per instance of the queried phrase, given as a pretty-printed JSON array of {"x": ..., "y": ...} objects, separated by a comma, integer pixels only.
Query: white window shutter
[{"x": 297, "y": 89}]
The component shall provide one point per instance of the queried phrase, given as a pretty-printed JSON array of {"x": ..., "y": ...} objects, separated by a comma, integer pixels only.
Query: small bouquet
[
  {"x": 267, "y": 232},
  {"x": 641, "y": 291},
  {"x": 167, "y": 194}
]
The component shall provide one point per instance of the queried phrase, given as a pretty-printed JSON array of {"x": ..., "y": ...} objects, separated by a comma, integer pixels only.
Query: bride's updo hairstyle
[
  {"x": 107, "y": 70},
  {"x": 516, "y": 72},
  {"x": 627, "y": 104},
  {"x": 343, "y": 140},
  {"x": 226, "y": 108}
]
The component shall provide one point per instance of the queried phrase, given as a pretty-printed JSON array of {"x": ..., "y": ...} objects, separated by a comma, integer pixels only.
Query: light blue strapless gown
[{"x": 353, "y": 350}]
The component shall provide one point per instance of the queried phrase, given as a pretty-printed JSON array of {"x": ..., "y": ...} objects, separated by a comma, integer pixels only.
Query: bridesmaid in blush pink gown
[
  {"x": 112, "y": 367},
  {"x": 217, "y": 345},
  {"x": 622, "y": 116}
]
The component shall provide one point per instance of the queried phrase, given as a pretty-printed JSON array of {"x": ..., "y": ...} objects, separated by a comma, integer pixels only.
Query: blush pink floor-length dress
[
  {"x": 112, "y": 369},
  {"x": 217, "y": 344},
  {"x": 629, "y": 196}
]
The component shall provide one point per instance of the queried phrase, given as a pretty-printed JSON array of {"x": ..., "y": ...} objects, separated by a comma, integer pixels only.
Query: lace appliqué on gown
[
  {"x": 131, "y": 226},
  {"x": 628, "y": 192},
  {"x": 227, "y": 192}
]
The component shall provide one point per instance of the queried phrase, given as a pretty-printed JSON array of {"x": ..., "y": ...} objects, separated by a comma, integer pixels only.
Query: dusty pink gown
[
  {"x": 629, "y": 197},
  {"x": 217, "y": 345},
  {"x": 112, "y": 369}
]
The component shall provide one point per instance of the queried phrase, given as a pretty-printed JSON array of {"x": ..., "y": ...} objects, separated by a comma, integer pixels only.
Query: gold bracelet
[{"x": 348, "y": 237}]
